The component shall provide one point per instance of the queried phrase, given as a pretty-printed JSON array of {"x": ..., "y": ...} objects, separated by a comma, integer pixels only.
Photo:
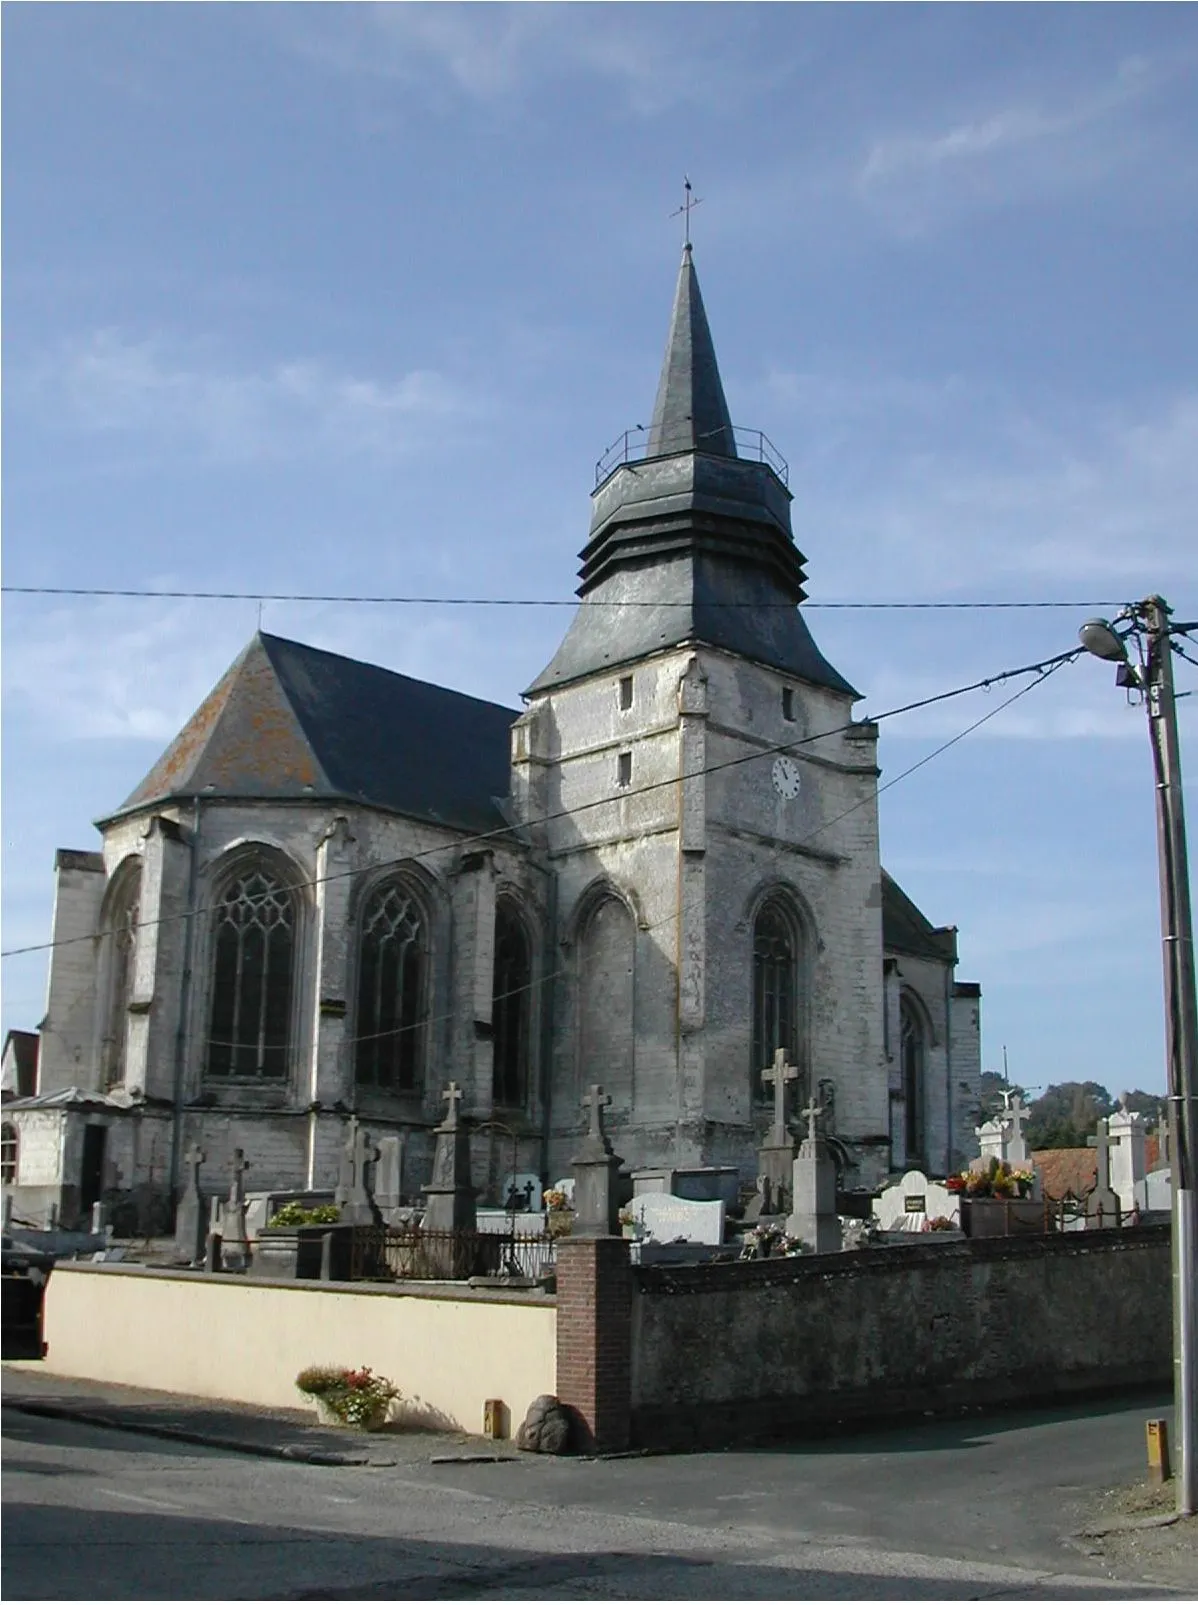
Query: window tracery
[
  {"x": 392, "y": 967},
  {"x": 511, "y": 1008},
  {"x": 911, "y": 1056},
  {"x": 775, "y": 988},
  {"x": 252, "y": 981}
]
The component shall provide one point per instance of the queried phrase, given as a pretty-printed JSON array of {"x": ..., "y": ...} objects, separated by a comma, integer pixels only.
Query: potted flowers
[
  {"x": 346, "y": 1398},
  {"x": 560, "y": 1217}
]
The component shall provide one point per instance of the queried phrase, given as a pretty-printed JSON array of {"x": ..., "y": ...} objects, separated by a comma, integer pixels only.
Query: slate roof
[
  {"x": 906, "y": 930},
  {"x": 694, "y": 542},
  {"x": 289, "y": 721},
  {"x": 690, "y": 413}
]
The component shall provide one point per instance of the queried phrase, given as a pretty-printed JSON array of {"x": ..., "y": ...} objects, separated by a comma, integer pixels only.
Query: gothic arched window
[
  {"x": 120, "y": 933},
  {"x": 8, "y": 1153},
  {"x": 911, "y": 1056},
  {"x": 511, "y": 1008},
  {"x": 252, "y": 975},
  {"x": 392, "y": 969},
  {"x": 775, "y": 988}
]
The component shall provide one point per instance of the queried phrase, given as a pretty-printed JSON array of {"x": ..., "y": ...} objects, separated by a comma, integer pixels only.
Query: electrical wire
[
  {"x": 768, "y": 750},
  {"x": 515, "y": 601}
]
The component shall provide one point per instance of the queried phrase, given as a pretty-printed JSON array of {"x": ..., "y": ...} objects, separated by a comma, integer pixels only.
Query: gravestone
[
  {"x": 388, "y": 1172},
  {"x": 1102, "y": 1204},
  {"x": 520, "y": 1191},
  {"x": 813, "y": 1218},
  {"x": 1127, "y": 1159},
  {"x": 353, "y": 1196},
  {"x": 912, "y": 1201},
  {"x": 191, "y": 1219},
  {"x": 450, "y": 1194},
  {"x": 235, "y": 1248},
  {"x": 666, "y": 1219},
  {"x": 1016, "y": 1152},
  {"x": 596, "y": 1169},
  {"x": 775, "y": 1157}
]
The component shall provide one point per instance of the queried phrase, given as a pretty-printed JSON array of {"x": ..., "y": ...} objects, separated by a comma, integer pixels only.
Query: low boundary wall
[
  {"x": 227, "y": 1337},
  {"x": 727, "y": 1353}
]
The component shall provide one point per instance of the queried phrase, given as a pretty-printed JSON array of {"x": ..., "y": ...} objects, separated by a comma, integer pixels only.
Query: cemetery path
[{"x": 934, "y": 1512}]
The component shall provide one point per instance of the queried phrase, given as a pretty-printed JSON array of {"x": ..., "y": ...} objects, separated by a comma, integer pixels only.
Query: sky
[{"x": 349, "y": 300}]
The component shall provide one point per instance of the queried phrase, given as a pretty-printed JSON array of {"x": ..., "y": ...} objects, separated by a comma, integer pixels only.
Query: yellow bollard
[{"x": 1159, "y": 1469}]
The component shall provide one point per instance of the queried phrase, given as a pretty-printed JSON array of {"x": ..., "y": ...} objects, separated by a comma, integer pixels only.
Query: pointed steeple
[{"x": 690, "y": 413}]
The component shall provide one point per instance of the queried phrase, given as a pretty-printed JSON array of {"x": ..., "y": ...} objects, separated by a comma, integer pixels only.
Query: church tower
[{"x": 689, "y": 764}]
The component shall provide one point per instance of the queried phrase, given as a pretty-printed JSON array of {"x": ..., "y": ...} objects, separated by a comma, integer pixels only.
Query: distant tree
[{"x": 1064, "y": 1116}]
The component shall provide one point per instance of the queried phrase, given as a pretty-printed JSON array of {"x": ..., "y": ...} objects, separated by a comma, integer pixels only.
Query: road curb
[{"x": 209, "y": 1440}]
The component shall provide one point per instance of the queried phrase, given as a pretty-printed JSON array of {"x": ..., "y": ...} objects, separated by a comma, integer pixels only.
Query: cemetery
[{"x": 659, "y": 1307}]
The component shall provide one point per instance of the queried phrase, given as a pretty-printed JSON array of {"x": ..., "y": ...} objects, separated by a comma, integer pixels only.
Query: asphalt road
[{"x": 978, "y": 1509}]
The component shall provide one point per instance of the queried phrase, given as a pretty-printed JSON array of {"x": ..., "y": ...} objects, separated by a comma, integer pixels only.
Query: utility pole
[{"x": 1181, "y": 1037}]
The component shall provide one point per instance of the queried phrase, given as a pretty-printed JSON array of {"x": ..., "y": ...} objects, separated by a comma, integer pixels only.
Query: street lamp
[{"x": 1100, "y": 638}]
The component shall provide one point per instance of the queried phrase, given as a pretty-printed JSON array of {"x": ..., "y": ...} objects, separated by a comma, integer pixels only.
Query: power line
[
  {"x": 518, "y": 601},
  {"x": 500, "y": 831}
]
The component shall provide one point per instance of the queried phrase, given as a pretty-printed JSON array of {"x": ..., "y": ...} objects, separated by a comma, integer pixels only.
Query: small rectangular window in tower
[
  {"x": 624, "y": 769},
  {"x": 625, "y": 692},
  {"x": 788, "y": 703}
]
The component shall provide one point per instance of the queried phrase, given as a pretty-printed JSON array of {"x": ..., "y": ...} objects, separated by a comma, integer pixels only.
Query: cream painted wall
[{"x": 228, "y": 1338}]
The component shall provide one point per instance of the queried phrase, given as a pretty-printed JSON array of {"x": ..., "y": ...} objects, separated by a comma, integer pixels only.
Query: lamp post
[{"x": 1181, "y": 1010}]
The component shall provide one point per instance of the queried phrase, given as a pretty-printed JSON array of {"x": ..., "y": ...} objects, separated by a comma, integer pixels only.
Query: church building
[{"x": 341, "y": 888}]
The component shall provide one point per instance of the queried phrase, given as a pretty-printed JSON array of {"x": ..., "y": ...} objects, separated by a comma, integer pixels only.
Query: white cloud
[
  {"x": 114, "y": 383},
  {"x": 1070, "y": 140},
  {"x": 495, "y": 53},
  {"x": 955, "y": 490}
]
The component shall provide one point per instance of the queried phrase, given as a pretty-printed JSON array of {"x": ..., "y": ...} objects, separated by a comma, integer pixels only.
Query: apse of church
[{"x": 341, "y": 888}]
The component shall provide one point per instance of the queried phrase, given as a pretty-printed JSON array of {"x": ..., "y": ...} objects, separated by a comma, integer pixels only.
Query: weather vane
[{"x": 687, "y": 207}]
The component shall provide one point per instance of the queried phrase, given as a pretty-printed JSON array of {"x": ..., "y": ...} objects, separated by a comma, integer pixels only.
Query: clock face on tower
[{"x": 786, "y": 777}]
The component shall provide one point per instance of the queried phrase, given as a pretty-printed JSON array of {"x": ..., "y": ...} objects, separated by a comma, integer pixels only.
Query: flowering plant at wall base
[
  {"x": 356, "y": 1398},
  {"x": 995, "y": 1180},
  {"x": 298, "y": 1215}
]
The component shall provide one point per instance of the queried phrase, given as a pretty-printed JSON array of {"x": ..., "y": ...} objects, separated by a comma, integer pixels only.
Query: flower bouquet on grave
[
  {"x": 939, "y": 1223},
  {"x": 348, "y": 1398},
  {"x": 630, "y": 1225},
  {"x": 771, "y": 1242},
  {"x": 560, "y": 1217},
  {"x": 1024, "y": 1181}
]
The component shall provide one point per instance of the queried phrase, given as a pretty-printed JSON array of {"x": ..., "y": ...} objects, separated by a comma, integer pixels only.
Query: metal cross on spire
[{"x": 689, "y": 203}]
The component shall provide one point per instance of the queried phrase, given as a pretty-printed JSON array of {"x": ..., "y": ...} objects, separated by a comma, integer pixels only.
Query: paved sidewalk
[{"x": 240, "y": 1428}]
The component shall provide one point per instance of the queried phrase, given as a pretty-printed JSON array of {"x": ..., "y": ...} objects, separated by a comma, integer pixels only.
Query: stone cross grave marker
[
  {"x": 1102, "y": 1205},
  {"x": 453, "y": 1097},
  {"x": 235, "y": 1246},
  {"x": 596, "y": 1100},
  {"x": 778, "y": 1074},
  {"x": 811, "y": 1114},
  {"x": 354, "y": 1197},
  {"x": 1015, "y": 1149},
  {"x": 191, "y": 1224}
]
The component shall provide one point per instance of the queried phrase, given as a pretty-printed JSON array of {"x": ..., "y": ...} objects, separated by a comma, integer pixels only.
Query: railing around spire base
[{"x": 752, "y": 445}]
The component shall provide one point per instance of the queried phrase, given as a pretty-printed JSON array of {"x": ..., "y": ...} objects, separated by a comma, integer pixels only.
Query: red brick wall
[{"x": 594, "y": 1338}]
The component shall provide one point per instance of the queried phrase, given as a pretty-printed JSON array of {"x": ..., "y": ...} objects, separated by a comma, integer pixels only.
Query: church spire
[{"x": 690, "y": 413}]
